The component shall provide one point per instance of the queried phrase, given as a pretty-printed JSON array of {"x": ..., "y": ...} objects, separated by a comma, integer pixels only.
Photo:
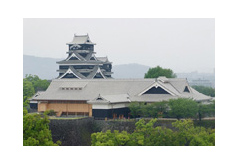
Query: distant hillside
[
  {"x": 129, "y": 71},
  {"x": 46, "y": 68}
]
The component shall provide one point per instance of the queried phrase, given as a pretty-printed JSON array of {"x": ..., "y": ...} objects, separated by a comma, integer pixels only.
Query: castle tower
[{"x": 82, "y": 63}]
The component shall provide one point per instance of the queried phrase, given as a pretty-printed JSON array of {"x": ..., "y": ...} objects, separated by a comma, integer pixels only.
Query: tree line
[
  {"x": 147, "y": 134},
  {"x": 31, "y": 85},
  {"x": 174, "y": 108}
]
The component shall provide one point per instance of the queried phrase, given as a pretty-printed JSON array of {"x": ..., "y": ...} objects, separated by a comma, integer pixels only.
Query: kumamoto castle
[{"x": 85, "y": 86}]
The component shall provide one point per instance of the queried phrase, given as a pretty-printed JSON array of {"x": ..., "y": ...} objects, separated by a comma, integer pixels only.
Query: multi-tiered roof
[{"x": 82, "y": 63}]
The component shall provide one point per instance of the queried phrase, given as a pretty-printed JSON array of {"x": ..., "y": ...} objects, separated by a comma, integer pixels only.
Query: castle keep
[{"x": 82, "y": 63}]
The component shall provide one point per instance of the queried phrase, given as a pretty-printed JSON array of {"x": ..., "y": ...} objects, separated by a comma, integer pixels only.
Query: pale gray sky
[{"x": 183, "y": 45}]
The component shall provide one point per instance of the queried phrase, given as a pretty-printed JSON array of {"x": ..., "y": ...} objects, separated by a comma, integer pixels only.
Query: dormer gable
[
  {"x": 186, "y": 89},
  {"x": 73, "y": 57},
  {"x": 156, "y": 90}
]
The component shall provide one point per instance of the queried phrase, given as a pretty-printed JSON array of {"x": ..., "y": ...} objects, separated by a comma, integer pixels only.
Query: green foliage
[
  {"x": 183, "y": 108},
  {"x": 174, "y": 108},
  {"x": 206, "y": 110},
  {"x": 209, "y": 91},
  {"x": 36, "y": 130},
  {"x": 25, "y": 102},
  {"x": 49, "y": 113},
  {"x": 148, "y": 110},
  {"x": 38, "y": 84},
  {"x": 157, "y": 108},
  {"x": 28, "y": 89},
  {"x": 159, "y": 71},
  {"x": 147, "y": 134},
  {"x": 32, "y": 84},
  {"x": 189, "y": 135},
  {"x": 136, "y": 109}
]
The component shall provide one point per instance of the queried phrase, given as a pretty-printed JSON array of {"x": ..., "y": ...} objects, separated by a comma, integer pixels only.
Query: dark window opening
[
  {"x": 83, "y": 55},
  {"x": 186, "y": 89},
  {"x": 85, "y": 74},
  {"x": 98, "y": 75},
  {"x": 90, "y": 67},
  {"x": 155, "y": 90},
  {"x": 64, "y": 67},
  {"x": 69, "y": 75}
]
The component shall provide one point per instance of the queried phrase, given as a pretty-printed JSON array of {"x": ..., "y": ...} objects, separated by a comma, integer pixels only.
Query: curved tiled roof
[
  {"x": 116, "y": 87},
  {"x": 81, "y": 39}
]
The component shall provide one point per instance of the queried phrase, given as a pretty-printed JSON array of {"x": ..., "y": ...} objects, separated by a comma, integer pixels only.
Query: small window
[
  {"x": 75, "y": 88},
  {"x": 186, "y": 89},
  {"x": 92, "y": 58}
]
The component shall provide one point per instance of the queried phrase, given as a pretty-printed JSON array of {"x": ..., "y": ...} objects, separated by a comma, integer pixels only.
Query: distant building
[
  {"x": 82, "y": 63},
  {"x": 195, "y": 78},
  {"x": 110, "y": 98},
  {"x": 201, "y": 82}
]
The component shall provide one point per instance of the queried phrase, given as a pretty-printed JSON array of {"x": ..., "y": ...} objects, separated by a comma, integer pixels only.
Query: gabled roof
[
  {"x": 110, "y": 99},
  {"x": 75, "y": 62},
  {"x": 74, "y": 72},
  {"x": 114, "y": 90},
  {"x": 95, "y": 70},
  {"x": 81, "y": 39},
  {"x": 79, "y": 57}
]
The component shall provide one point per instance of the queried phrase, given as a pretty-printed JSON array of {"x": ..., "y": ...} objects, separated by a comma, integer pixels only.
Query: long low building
[{"x": 110, "y": 98}]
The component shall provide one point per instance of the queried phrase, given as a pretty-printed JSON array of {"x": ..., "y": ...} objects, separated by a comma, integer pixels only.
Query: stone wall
[
  {"x": 77, "y": 132},
  {"x": 72, "y": 132}
]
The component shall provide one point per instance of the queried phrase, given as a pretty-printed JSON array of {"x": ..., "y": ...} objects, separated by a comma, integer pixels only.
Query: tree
[
  {"x": 183, "y": 108},
  {"x": 206, "y": 110},
  {"x": 38, "y": 84},
  {"x": 159, "y": 71},
  {"x": 158, "y": 108},
  {"x": 209, "y": 91},
  {"x": 147, "y": 134},
  {"x": 147, "y": 110},
  {"x": 28, "y": 89},
  {"x": 188, "y": 135},
  {"x": 36, "y": 130},
  {"x": 31, "y": 85},
  {"x": 136, "y": 109}
]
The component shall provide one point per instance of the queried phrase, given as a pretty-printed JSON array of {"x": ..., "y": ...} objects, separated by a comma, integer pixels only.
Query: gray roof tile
[{"x": 115, "y": 90}]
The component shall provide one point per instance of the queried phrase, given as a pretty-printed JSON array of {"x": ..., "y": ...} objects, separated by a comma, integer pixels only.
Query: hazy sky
[{"x": 183, "y": 45}]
